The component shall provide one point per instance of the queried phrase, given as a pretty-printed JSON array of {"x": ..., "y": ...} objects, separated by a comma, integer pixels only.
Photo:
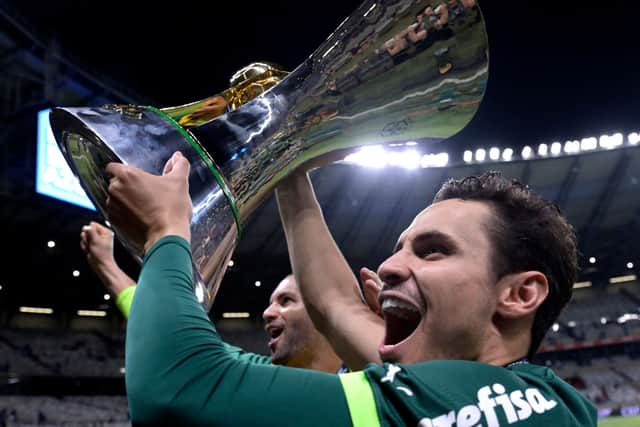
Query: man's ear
[{"x": 520, "y": 294}]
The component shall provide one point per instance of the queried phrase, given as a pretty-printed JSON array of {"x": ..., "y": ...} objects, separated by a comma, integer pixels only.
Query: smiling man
[
  {"x": 480, "y": 274},
  {"x": 294, "y": 340},
  {"x": 469, "y": 292}
]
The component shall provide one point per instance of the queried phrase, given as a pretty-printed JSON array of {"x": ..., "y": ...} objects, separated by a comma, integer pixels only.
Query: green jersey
[{"x": 179, "y": 372}]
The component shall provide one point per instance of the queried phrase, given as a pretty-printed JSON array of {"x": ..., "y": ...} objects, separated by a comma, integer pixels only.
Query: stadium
[{"x": 559, "y": 113}]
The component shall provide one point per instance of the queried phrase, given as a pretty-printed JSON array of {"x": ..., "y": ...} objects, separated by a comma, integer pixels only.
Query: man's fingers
[
  {"x": 371, "y": 292},
  {"x": 168, "y": 166},
  {"x": 366, "y": 274},
  {"x": 371, "y": 287},
  {"x": 103, "y": 231},
  {"x": 114, "y": 168},
  {"x": 83, "y": 241},
  {"x": 178, "y": 165}
]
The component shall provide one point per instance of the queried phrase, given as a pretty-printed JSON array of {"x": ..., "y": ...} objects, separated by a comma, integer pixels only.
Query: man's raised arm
[{"x": 327, "y": 284}]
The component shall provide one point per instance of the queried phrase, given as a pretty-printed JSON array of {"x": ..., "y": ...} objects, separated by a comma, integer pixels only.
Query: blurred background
[{"x": 560, "y": 113}]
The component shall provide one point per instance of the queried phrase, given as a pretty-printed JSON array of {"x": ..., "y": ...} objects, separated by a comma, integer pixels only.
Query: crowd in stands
[
  {"x": 85, "y": 411},
  {"x": 83, "y": 354},
  {"x": 609, "y": 382}
]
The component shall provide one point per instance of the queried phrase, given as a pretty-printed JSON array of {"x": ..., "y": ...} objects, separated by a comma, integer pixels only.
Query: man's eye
[{"x": 433, "y": 251}]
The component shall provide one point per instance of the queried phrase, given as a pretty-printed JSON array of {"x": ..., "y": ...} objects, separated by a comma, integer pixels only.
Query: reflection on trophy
[
  {"x": 246, "y": 84},
  {"x": 242, "y": 141}
]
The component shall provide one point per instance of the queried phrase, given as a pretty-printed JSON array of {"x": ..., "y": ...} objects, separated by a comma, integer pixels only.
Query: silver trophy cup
[{"x": 392, "y": 72}]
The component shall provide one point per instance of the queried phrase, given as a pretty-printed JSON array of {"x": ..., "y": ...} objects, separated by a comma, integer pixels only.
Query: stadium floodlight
[
  {"x": 373, "y": 156},
  {"x": 634, "y": 138},
  {"x": 572, "y": 147},
  {"x": 629, "y": 265},
  {"x": 51, "y": 244},
  {"x": 434, "y": 160},
  {"x": 628, "y": 316},
  {"x": 556, "y": 148},
  {"x": 592, "y": 260},
  {"x": 527, "y": 152},
  {"x": 481, "y": 154},
  {"x": 409, "y": 159},
  {"x": 603, "y": 320},
  {"x": 543, "y": 149},
  {"x": 571, "y": 323},
  {"x": 622, "y": 279},
  {"x": 36, "y": 310},
  {"x": 579, "y": 285},
  {"x": 507, "y": 154},
  {"x": 236, "y": 315},
  {"x": 617, "y": 139},
  {"x": 603, "y": 141},
  {"x": 610, "y": 142},
  {"x": 92, "y": 313},
  {"x": 467, "y": 156},
  {"x": 494, "y": 153},
  {"x": 441, "y": 160},
  {"x": 588, "y": 144},
  {"x": 555, "y": 327}
]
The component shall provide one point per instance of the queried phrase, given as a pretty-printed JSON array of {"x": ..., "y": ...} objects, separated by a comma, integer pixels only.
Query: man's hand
[
  {"x": 96, "y": 241},
  {"x": 147, "y": 207}
]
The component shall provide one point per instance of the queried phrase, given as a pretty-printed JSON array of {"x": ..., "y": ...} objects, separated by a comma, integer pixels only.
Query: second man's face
[{"x": 287, "y": 323}]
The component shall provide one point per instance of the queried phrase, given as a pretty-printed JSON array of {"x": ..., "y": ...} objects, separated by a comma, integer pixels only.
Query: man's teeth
[{"x": 391, "y": 303}]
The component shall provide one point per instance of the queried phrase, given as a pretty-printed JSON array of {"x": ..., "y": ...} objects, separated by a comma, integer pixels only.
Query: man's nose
[
  {"x": 270, "y": 313},
  {"x": 394, "y": 269}
]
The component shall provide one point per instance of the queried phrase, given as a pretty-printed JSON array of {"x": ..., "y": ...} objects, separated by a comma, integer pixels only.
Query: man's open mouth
[
  {"x": 401, "y": 319},
  {"x": 274, "y": 331}
]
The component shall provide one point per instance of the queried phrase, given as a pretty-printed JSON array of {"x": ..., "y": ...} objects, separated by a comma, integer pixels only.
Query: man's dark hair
[{"x": 528, "y": 233}]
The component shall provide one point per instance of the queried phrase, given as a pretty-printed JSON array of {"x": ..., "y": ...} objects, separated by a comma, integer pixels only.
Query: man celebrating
[
  {"x": 294, "y": 340},
  {"x": 459, "y": 320}
]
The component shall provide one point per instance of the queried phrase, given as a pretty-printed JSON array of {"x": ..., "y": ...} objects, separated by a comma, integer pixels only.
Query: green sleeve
[
  {"x": 179, "y": 372},
  {"x": 125, "y": 298},
  {"x": 240, "y": 354}
]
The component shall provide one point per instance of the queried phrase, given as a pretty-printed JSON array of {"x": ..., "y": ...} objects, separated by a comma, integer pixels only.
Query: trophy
[{"x": 387, "y": 75}]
